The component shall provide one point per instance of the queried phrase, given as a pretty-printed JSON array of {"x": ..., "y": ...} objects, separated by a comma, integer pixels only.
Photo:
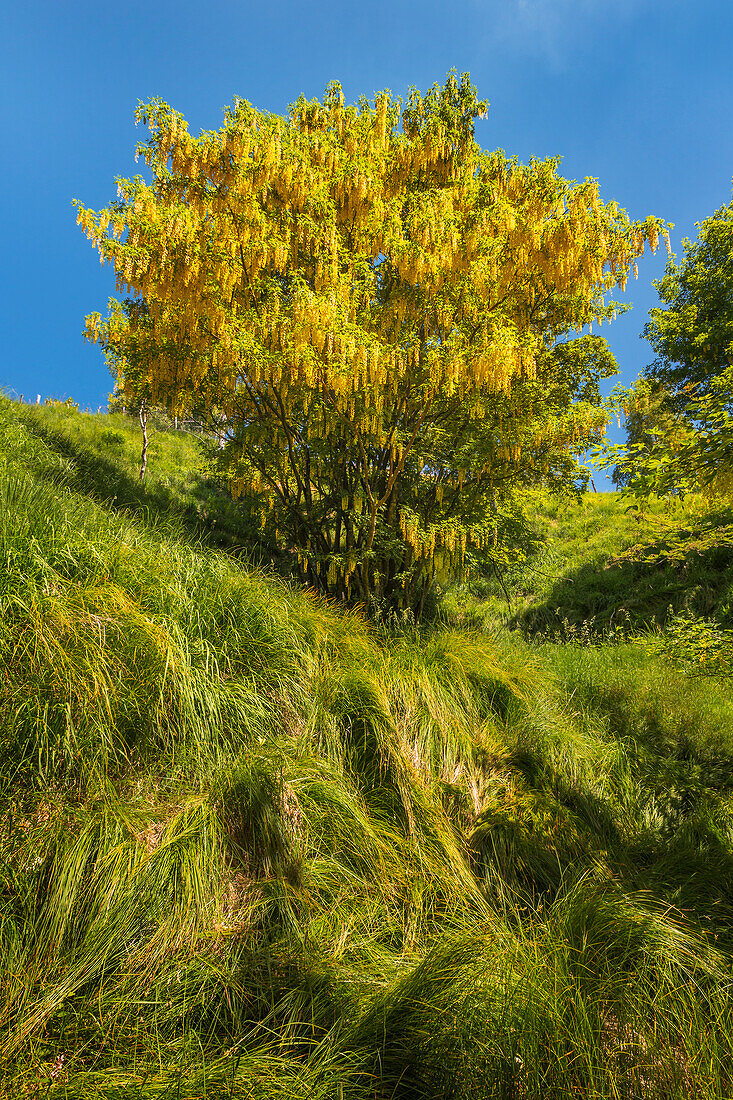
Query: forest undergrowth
[{"x": 253, "y": 847}]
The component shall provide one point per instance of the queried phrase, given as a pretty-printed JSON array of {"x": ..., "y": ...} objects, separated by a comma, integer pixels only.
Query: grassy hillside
[
  {"x": 251, "y": 847},
  {"x": 99, "y": 456},
  {"x": 607, "y": 565}
]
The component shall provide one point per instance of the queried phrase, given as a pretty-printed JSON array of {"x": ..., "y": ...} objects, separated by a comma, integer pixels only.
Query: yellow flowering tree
[{"x": 373, "y": 305}]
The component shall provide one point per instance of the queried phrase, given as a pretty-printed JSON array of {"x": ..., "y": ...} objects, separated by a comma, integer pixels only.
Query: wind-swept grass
[{"x": 252, "y": 847}]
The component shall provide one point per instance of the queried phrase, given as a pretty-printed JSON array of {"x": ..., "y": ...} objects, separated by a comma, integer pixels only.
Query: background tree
[
  {"x": 678, "y": 413},
  {"x": 649, "y": 416},
  {"x": 692, "y": 333},
  {"x": 373, "y": 303}
]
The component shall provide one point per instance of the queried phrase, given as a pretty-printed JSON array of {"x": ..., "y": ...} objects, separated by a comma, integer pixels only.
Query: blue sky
[{"x": 638, "y": 93}]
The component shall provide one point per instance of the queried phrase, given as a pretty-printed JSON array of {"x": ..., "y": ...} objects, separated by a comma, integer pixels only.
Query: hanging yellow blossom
[{"x": 349, "y": 287}]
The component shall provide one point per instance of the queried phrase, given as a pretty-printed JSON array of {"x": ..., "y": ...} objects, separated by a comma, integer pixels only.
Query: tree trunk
[{"x": 144, "y": 454}]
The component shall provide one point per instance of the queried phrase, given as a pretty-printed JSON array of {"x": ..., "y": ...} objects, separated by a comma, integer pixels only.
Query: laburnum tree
[{"x": 377, "y": 310}]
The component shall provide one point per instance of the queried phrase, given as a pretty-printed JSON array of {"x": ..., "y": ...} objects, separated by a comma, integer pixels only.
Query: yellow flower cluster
[{"x": 337, "y": 260}]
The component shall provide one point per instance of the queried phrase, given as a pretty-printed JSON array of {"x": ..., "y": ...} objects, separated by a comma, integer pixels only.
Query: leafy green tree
[
  {"x": 374, "y": 305},
  {"x": 692, "y": 332},
  {"x": 649, "y": 418},
  {"x": 678, "y": 414}
]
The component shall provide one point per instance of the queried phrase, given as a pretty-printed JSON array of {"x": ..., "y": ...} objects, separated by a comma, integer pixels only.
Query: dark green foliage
[
  {"x": 692, "y": 330},
  {"x": 678, "y": 413}
]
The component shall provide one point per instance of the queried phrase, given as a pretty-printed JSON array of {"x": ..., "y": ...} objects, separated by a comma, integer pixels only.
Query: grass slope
[
  {"x": 604, "y": 565},
  {"x": 99, "y": 456},
  {"x": 251, "y": 847}
]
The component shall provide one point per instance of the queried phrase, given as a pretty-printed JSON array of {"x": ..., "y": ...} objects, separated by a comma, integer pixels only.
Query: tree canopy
[
  {"x": 692, "y": 332},
  {"x": 679, "y": 413},
  {"x": 377, "y": 309}
]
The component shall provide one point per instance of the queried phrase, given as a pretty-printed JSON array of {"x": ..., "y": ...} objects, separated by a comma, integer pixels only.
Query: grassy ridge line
[{"x": 249, "y": 848}]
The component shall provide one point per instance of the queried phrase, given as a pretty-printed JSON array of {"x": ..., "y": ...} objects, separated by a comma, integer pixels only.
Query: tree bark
[{"x": 143, "y": 416}]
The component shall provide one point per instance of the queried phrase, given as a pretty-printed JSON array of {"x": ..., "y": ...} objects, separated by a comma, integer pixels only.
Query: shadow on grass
[
  {"x": 201, "y": 506},
  {"x": 677, "y": 852},
  {"x": 634, "y": 594}
]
